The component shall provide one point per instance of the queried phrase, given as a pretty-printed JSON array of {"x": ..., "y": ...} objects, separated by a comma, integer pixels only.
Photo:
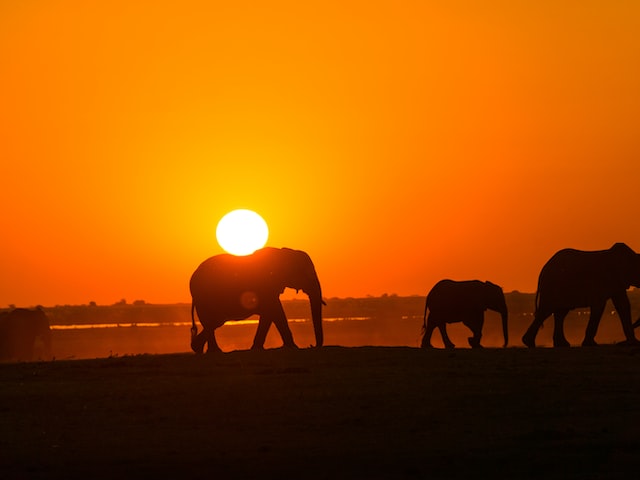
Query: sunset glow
[
  {"x": 398, "y": 143},
  {"x": 242, "y": 232}
]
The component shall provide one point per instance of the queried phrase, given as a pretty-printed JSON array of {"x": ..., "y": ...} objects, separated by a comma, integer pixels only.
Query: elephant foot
[
  {"x": 629, "y": 342},
  {"x": 291, "y": 346},
  {"x": 426, "y": 342},
  {"x": 197, "y": 351},
  {"x": 474, "y": 342},
  {"x": 589, "y": 343},
  {"x": 450, "y": 346},
  {"x": 197, "y": 346},
  {"x": 561, "y": 343},
  {"x": 529, "y": 340}
]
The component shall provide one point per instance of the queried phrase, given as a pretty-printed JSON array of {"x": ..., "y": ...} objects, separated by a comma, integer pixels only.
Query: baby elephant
[{"x": 450, "y": 301}]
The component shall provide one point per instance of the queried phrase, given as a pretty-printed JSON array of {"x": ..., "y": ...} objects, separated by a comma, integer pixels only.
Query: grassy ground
[{"x": 367, "y": 412}]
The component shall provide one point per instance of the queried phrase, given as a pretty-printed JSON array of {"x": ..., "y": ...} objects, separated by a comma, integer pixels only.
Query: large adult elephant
[
  {"x": 577, "y": 279},
  {"x": 228, "y": 287},
  {"x": 25, "y": 335},
  {"x": 450, "y": 301}
]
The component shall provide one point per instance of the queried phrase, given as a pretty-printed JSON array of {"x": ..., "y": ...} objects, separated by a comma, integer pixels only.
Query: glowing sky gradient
[{"x": 397, "y": 143}]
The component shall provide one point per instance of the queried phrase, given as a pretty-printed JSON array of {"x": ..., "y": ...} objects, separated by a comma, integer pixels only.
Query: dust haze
[{"x": 91, "y": 331}]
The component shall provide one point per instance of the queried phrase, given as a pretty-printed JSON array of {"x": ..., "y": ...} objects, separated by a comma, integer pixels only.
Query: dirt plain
[{"x": 335, "y": 412}]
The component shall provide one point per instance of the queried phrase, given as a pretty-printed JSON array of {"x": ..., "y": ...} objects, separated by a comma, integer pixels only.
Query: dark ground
[{"x": 336, "y": 412}]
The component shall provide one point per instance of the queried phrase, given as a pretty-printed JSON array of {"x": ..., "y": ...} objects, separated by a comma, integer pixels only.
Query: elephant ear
[{"x": 302, "y": 274}]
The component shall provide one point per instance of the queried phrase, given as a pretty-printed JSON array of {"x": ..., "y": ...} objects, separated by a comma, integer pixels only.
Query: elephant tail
[
  {"x": 424, "y": 318},
  {"x": 537, "y": 302},
  {"x": 194, "y": 328}
]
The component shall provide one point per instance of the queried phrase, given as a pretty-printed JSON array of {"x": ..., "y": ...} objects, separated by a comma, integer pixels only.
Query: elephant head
[
  {"x": 497, "y": 303},
  {"x": 294, "y": 269},
  {"x": 626, "y": 264}
]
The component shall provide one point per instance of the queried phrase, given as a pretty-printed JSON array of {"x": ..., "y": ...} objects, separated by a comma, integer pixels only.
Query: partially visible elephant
[
  {"x": 25, "y": 335},
  {"x": 228, "y": 287},
  {"x": 450, "y": 301},
  {"x": 576, "y": 279}
]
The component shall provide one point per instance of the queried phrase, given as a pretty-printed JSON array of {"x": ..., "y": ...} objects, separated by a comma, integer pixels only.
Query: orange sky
[{"x": 398, "y": 143}]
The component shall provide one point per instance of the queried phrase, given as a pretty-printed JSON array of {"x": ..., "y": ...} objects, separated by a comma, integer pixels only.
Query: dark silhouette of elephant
[
  {"x": 576, "y": 279},
  {"x": 25, "y": 335},
  {"x": 450, "y": 301},
  {"x": 228, "y": 287}
]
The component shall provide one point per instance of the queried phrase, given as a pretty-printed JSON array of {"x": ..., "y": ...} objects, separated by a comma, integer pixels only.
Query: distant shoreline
[{"x": 385, "y": 306}]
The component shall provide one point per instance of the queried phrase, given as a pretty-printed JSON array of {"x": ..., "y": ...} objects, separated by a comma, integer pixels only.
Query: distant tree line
[{"x": 385, "y": 306}]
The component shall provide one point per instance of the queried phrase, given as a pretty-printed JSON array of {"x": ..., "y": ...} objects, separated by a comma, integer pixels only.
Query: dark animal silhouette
[
  {"x": 24, "y": 335},
  {"x": 450, "y": 301},
  {"x": 227, "y": 287},
  {"x": 574, "y": 279}
]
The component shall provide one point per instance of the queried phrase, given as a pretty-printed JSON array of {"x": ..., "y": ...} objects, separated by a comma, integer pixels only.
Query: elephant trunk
[
  {"x": 316, "y": 316},
  {"x": 315, "y": 298},
  {"x": 505, "y": 329}
]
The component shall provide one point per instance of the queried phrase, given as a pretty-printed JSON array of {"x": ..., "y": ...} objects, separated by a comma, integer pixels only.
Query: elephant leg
[
  {"x": 274, "y": 314},
  {"x": 529, "y": 338},
  {"x": 264, "y": 323},
  {"x": 623, "y": 307},
  {"x": 595, "y": 315},
  {"x": 428, "y": 331},
  {"x": 197, "y": 342},
  {"x": 210, "y": 320},
  {"x": 559, "y": 340},
  {"x": 445, "y": 338},
  {"x": 212, "y": 345},
  {"x": 475, "y": 323},
  {"x": 280, "y": 320}
]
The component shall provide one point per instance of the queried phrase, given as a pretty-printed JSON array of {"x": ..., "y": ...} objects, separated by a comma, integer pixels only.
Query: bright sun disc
[{"x": 242, "y": 232}]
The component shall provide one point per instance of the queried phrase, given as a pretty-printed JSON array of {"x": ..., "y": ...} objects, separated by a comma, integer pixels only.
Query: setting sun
[{"x": 242, "y": 232}]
